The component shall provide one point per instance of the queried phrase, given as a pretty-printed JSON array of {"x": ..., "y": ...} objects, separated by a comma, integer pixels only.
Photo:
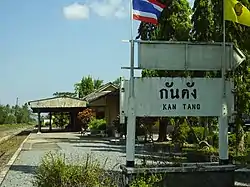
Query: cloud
[
  {"x": 76, "y": 11},
  {"x": 109, "y": 8}
]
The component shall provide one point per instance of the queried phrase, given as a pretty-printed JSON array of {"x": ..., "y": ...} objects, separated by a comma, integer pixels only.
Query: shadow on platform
[{"x": 24, "y": 168}]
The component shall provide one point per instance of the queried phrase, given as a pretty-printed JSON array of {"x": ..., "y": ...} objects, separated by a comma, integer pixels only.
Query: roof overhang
[{"x": 57, "y": 103}]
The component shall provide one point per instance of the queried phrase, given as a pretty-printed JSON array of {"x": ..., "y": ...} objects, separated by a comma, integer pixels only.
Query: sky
[{"x": 47, "y": 46}]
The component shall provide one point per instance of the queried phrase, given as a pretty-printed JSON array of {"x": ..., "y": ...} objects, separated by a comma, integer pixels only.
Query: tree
[
  {"x": 207, "y": 26},
  {"x": 87, "y": 85},
  {"x": 15, "y": 114},
  {"x": 97, "y": 83},
  {"x": 60, "y": 119},
  {"x": 203, "y": 31},
  {"x": 86, "y": 116},
  {"x": 117, "y": 82},
  {"x": 62, "y": 94},
  {"x": 174, "y": 24},
  {"x": 203, "y": 21}
]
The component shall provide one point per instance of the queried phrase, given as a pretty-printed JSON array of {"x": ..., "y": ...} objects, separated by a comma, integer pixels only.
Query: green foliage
[
  {"x": 232, "y": 140},
  {"x": 207, "y": 21},
  {"x": 147, "y": 180},
  {"x": 60, "y": 119},
  {"x": 208, "y": 150},
  {"x": 174, "y": 24},
  {"x": 97, "y": 124},
  {"x": 247, "y": 139},
  {"x": 199, "y": 132},
  {"x": 206, "y": 26},
  {"x": 203, "y": 21},
  {"x": 87, "y": 85},
  {"x": 215, "y": 139},
  {"x": 56, "y": 171},
  {"x": 62, "y": 94},
  {"x": 117, "y": 82},
  {"x": 181, "y": 131},
  {"x": 15, "y": 114}
]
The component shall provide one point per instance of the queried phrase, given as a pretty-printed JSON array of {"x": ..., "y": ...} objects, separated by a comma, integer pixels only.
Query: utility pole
[
  {"x": 16, "y": 109},
  {"x": 17, "y": 101}
]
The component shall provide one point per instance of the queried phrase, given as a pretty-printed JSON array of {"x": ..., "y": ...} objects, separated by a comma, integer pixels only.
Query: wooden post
[
  {"x": 50, "y": 121},
  {"x": 39, "y": 123}
]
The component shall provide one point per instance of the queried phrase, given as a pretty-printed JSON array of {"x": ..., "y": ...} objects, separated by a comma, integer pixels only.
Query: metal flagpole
[
  {"x": 223, "y": 120},
  {"x": 131, "y": 50},
  {"x": 131, "y": 122}
]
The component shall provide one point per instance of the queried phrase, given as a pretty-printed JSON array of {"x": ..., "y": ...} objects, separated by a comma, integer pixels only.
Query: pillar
[
  {"x": 130, "y": 138},
  {"x": 71, "y": 121},
  {"x": 74, "y": 116},
  {"x": 39, "y": 123},
  {"x": 223, "y": 136},
  {"x": 50, "y": 121}
]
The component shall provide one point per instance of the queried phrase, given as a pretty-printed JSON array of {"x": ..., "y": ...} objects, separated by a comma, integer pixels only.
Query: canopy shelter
[{"x": 58, "y": 104}]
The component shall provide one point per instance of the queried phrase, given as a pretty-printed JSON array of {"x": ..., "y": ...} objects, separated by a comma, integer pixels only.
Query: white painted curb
[{"x": 6, "y": 169}]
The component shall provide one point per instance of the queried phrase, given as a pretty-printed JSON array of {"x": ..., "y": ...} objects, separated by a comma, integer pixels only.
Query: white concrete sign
[
  {"x": 186, "y": 56},
  {"x": 178, "y": 96}
]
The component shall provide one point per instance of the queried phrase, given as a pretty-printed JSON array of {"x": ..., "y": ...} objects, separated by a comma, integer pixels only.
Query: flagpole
[
  {"x": 132, "y": 64},
  {"x": 223, "y": 120},
  {"x": 131, "y": 18},
  {"x": 131, "y": 122}
]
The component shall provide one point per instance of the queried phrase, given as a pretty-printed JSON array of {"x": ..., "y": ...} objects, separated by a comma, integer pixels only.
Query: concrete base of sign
[
  {"x": 242, "y": 175},
  {"x": 130, "y": 164},
  {"x": 186, "y": 174},
  {"x": 224, "y": 162}
]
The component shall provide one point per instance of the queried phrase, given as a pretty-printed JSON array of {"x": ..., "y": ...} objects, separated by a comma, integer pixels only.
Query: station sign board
[{"x": 158, "y": 97}]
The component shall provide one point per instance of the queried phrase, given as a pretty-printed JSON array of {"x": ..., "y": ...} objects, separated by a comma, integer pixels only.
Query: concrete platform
[{"x": 73, "y": 146}]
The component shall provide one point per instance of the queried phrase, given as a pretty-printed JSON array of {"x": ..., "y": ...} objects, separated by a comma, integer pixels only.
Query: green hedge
[{"x": 97, "y": 124}]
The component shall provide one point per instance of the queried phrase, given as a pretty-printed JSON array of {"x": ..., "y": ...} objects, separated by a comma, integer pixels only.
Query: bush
[
  {"x": 86, "y": 116},
  {"x": 199, "y": 131},
  {"x": 184, "y": 132},
  {"x": 97, "y": 124},
  {"x": 57, "y": 171},
  {"x": 247, "y": 139},
  {"x": 180, "y": 132},
  {"x": 232, "y": 140},
  {"x": 215, "y": 139},
  {"x": 146, "y": 180},
  {"x": 47, "y": 124}
]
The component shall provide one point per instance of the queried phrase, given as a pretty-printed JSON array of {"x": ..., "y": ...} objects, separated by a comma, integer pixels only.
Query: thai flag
[{"x": 147, "y": 10}]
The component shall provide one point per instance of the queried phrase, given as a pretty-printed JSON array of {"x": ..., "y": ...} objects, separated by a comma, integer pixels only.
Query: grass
[
  {"x": 55, "y": 170},
  {"x": 6, "y": 129},
  {"x": 9, "y": 147}
]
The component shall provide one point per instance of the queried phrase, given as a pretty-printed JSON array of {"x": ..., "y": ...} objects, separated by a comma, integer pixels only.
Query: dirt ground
[{"x": 8, "y": 129}]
